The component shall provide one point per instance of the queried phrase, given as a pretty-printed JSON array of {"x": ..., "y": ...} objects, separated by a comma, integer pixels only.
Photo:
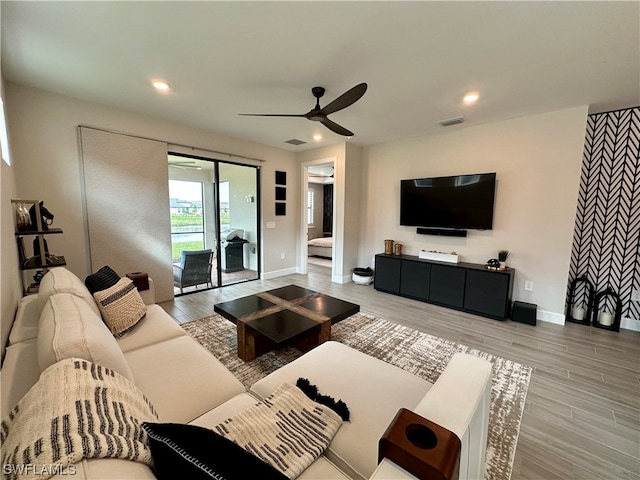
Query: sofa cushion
[
  {"x": 121, "y": 306},
  {"x": 61, "y": 280},
  {"x": 69, "y": 328},
  {"x": 197, "y": 453},
  {"x": 106, "y": 468},
  {"x": 373, "y": 390},
  {"x": 20, "y": 372},
  {"x": 181, "y": 378},
  {"x": 25, "y": 325},
  {"x": 104, "y": 278},
  {"x": 156, "y": 326}
]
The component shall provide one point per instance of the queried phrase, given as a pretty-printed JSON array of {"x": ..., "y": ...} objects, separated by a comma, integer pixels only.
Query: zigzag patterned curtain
[{"x": 606, "y": 240}]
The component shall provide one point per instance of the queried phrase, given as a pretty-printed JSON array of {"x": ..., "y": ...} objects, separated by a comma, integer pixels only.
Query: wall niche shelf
[{"x": 41, "y": 258}]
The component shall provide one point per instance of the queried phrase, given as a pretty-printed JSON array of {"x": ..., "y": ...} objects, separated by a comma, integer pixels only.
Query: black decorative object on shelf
[
  {"x": 603, "y": 318},
  {"x": 581, "y": 289}
]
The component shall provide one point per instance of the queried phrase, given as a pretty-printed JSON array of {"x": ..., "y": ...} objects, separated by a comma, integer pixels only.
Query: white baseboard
[
  {"x": 550, "y": 317},
  {"x": 341, "y": 280},
  {"x": 558, "y": 319},
  {"x": 278, "y": 273},
  {"x": 630, "y": 324}
]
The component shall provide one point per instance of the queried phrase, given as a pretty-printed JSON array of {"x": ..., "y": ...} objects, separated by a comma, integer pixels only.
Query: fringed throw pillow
[{"x": 121, "y": 306}]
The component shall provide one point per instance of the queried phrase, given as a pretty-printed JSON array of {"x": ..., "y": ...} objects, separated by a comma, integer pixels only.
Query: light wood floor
[{"x": 582, "y": 415}]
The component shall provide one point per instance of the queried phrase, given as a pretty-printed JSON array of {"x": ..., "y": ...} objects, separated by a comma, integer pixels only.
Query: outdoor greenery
[
  {"x": 182, "y": 220},
  {"x": 188, "y": 219},
  {"x": 177, "y": 247}
]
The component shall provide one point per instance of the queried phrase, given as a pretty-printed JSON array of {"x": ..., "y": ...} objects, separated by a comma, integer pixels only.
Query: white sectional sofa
[{"x": 186, "y": 384}]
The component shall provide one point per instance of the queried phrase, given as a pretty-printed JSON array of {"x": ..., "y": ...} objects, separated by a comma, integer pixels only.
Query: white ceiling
[{"x": 418, "y": 58}]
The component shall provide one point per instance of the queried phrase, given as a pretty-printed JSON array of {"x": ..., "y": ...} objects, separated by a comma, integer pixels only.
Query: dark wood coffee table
[{"x": 286, "y": 316}]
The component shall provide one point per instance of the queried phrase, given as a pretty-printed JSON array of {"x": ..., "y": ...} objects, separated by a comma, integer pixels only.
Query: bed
[{"x": 321, "y": 247}]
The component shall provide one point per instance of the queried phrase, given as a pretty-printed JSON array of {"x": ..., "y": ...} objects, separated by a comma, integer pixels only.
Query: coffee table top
[{"x": 284, "y": 314}]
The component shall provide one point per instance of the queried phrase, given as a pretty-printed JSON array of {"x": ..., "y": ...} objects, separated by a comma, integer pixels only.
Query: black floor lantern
[
  {"x": 580, "y": 312},
  {"x": 607, "y": 310}
]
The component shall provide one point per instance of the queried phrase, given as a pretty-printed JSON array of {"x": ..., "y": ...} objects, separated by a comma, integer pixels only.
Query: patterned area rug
[{"x": 417, "y": 352}]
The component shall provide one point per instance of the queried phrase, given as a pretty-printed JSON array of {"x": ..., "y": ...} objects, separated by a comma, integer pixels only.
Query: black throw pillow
[
  {"x": 101, "y": 280},
  {"x": 197, "y": 453}
]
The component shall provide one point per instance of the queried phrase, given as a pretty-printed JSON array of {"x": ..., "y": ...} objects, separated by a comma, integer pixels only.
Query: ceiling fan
[
  {"x": 318, "y": 114},
  {"x": 320, "y": 171},
  {"x": 185, "y": 165}
]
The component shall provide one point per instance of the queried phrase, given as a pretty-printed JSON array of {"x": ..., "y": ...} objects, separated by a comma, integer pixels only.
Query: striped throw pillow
[{"x": 121, "y": 306}]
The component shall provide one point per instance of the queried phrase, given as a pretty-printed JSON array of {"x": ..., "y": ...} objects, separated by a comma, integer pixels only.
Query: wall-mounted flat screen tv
[{"x": 461, "y": 201}]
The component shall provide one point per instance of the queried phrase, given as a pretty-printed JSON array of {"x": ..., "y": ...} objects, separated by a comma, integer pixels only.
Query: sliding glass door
[{"x": 214, "y": 208}]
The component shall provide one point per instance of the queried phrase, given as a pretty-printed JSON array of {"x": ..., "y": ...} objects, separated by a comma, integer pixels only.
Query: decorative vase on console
[
  {"x": 388, "y": 247},
  {"x": 502, "y": 258}
]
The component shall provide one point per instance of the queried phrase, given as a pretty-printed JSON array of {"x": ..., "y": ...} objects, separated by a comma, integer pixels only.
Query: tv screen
[{"x": 461, "y": 201}]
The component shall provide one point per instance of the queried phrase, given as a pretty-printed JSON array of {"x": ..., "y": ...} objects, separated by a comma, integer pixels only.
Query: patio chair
[{"x": 194, "y": 269}]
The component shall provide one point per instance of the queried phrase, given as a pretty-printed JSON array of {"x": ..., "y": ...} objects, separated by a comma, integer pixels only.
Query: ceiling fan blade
[
  {"x": 272, "y": 114},
  {"x": 334, "y": 127},
  {"x": 343, "y": 101}
]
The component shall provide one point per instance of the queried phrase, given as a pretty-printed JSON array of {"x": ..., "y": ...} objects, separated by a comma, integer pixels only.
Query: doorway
[{"x": 215, "y": 235}]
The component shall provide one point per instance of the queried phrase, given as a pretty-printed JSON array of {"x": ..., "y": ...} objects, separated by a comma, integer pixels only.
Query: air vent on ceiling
[
  {"x": 450, "y": 121},
  {"x": 295, "y": 141}
]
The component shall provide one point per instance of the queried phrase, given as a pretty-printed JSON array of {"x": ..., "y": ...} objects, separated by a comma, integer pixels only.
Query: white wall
[
  {"x": 45, "y": 150},
  {"x": 537, "y": 160}
]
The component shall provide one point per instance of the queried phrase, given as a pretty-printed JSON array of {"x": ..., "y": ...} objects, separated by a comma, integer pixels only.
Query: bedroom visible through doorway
[{"x": 319, "y": 216}]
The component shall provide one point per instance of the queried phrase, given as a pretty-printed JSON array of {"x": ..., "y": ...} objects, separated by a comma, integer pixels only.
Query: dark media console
[
  {"x": 443, "y": 232},
  {"x": 468, "y": 287}
]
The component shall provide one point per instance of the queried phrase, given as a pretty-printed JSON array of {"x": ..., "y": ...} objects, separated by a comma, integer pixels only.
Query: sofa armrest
[
  {"x": 149, "y": 296},
  {"x": 458, "y": 401}
]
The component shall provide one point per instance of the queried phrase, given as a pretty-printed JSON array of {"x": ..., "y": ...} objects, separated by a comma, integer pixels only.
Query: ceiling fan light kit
[{"x": 319, "y": 114}]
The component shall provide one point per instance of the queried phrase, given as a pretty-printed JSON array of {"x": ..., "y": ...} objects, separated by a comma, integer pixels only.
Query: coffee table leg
[
  {"x": 246, "y": 343},
  {"x": 320, "y": 336},
  {"x": 325, "y": 332}
]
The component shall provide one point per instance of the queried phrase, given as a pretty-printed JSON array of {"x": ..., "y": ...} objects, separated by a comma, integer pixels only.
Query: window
[
  {"x": 310, "y": 208},
  {"x": 225, "y": 213},
  {"x": 4, "y": 136},
  {"x": 187, "y": 220}
]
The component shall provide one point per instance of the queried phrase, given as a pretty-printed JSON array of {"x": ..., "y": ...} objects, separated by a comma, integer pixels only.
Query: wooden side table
[{"x": 421, "y": 447}]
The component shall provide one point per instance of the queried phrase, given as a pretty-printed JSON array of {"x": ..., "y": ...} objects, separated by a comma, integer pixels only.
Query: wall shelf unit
[
  {"x": 467, "y": 287},
  {"x": 41, "y": 258}
]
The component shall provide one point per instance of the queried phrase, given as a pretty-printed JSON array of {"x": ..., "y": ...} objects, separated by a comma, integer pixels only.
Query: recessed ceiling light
[
  {"x": 161, "y": 85},
  {"x": 471, "y": 97},
  {"x": 317, "y": 137}
]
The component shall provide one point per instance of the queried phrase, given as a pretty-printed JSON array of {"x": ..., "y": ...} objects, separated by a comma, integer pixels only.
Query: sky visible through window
[{"x": 191, "y": 191}]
